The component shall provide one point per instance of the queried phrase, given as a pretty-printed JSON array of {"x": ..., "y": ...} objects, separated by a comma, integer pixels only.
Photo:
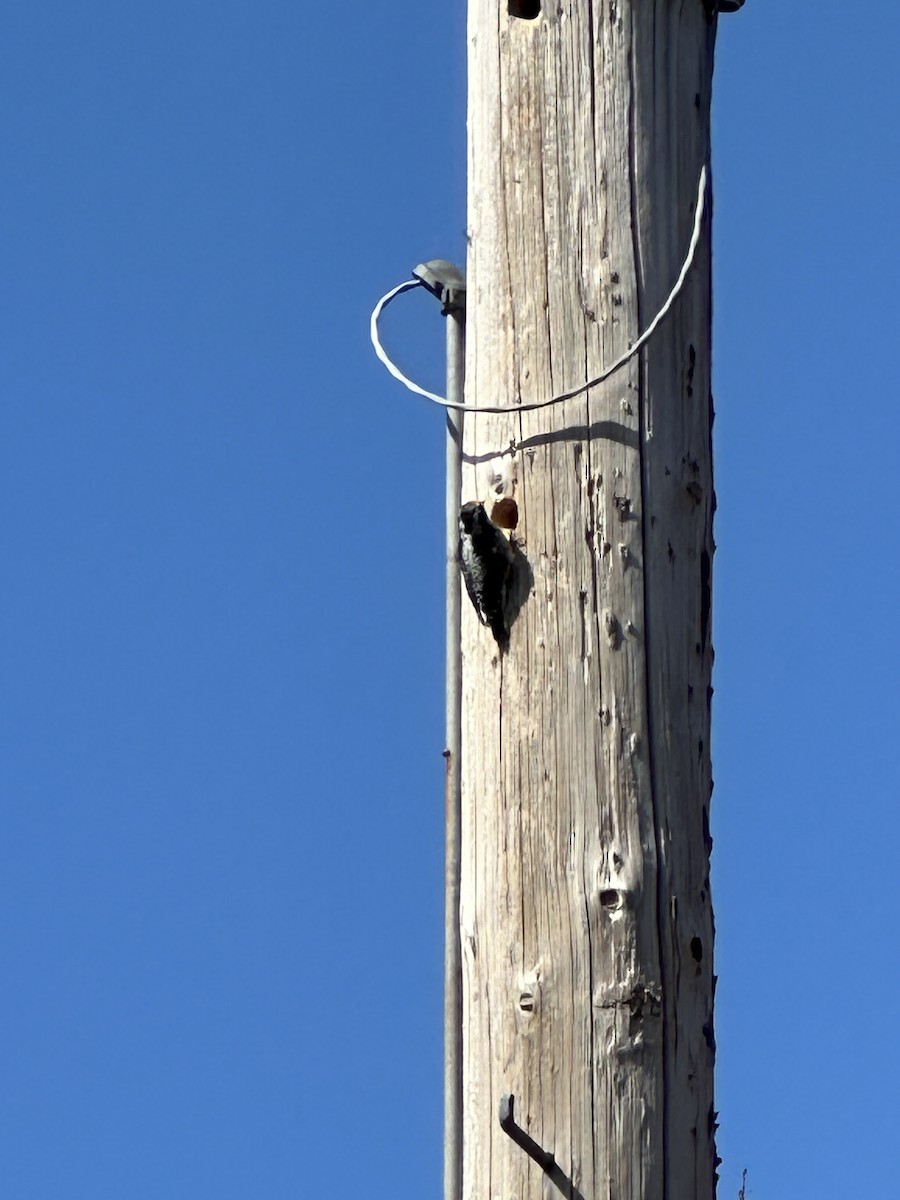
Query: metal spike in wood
[{"x": 586, "y": 923}]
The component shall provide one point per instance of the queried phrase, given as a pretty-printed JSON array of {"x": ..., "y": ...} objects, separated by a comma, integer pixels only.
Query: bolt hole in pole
[{"x": 528, "y": 10}]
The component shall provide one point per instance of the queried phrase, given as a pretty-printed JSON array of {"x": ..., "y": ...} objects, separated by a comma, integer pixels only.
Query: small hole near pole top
[{"x": 528, "y": 10}]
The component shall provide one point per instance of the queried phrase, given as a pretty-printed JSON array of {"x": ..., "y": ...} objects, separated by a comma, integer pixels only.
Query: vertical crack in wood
[
  {"x": 665, "y": 982},
  {"x": 589, "y": 492},
  {"x": 503, "y": 215},
  {"x": 591, "y": 59}
]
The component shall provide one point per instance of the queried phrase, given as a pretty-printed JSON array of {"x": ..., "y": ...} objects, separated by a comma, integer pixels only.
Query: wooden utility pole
[{"x": 585, "y": 917}]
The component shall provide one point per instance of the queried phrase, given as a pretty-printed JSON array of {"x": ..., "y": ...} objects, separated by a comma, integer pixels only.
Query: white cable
[
  {"x": 380, "y": 351},
  {"x": 583, "y": 387}
]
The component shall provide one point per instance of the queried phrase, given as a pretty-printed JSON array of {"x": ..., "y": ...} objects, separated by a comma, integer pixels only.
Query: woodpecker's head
[{"x": 472, "y": 517}]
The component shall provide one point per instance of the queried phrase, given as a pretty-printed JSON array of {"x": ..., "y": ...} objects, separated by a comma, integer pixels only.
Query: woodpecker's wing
[{"x": 467, "y": 569}]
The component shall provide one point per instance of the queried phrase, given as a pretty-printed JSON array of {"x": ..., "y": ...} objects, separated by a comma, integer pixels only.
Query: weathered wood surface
[{"x": 585, "y": 915}]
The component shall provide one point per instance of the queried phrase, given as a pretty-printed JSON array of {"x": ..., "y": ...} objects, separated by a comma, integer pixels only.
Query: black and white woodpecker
[{"x": 487, "y": 562}]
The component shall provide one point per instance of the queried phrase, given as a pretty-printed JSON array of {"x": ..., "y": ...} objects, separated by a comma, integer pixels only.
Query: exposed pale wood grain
[{"x": 586, "y": 922}]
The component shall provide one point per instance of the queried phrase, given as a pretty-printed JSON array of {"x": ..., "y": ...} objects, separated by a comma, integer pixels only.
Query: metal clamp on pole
[{"x": 445, "y": 281}]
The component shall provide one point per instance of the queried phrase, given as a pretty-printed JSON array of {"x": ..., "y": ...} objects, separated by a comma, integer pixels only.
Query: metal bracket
[
  {"x": 544, "y": 1158},
  {"x": 445, "y": 281}
]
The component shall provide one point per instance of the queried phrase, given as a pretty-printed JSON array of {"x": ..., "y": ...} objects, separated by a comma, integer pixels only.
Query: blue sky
[{"x": 222, "y": 712}]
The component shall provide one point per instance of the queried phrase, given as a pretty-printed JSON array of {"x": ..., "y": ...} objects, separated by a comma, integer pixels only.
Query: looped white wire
[
  {"x": 583, "y": 387},
  {"x": 380, "y": 351}
]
